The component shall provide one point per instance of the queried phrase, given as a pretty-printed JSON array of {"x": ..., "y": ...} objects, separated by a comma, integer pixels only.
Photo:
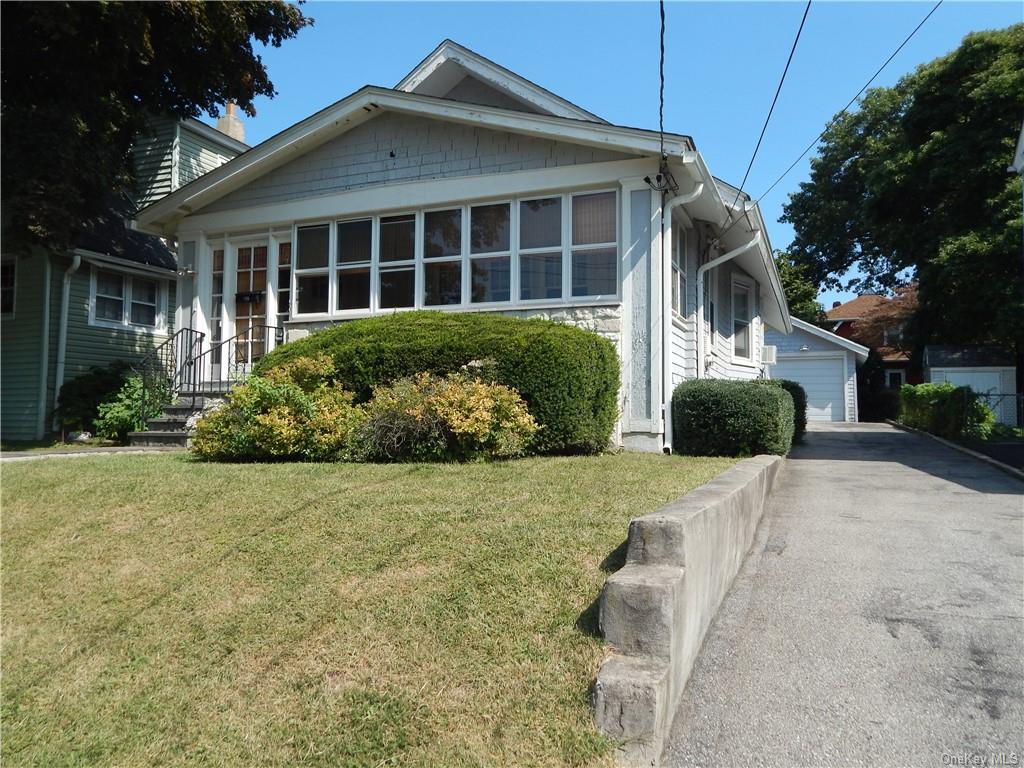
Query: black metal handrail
[
  {"x": 228, "y": 362},
  {"x": 169, "y": 369}
]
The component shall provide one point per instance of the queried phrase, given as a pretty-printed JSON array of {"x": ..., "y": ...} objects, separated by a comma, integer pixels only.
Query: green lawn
[{"x": 158, "y": 611}]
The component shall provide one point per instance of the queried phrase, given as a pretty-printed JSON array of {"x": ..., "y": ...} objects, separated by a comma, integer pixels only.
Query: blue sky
[{"x": 723, "y": 61}]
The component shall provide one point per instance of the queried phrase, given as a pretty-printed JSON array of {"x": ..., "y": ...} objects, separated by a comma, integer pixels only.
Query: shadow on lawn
[{"x": 588, "y": 622}]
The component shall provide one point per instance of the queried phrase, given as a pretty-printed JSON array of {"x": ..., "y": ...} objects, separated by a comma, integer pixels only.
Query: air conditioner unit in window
[{"x": 768, "y": 354}]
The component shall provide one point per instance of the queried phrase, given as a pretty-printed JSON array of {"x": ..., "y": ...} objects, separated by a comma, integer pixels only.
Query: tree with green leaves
[
  {"x": 79, "y": 82},
  {"x": 801, "y": 292},
  {"x": 915, "y": 182}
]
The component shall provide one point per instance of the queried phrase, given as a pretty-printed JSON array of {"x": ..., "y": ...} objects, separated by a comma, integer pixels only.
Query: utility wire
[
  {"x": 775, "y": 100},
  {"x": 841, "y": 112},
  {"x": 661, "y": 75}
]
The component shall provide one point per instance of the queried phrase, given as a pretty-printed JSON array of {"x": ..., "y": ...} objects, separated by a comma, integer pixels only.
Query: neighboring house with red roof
[{"x": 878, "y": 322}]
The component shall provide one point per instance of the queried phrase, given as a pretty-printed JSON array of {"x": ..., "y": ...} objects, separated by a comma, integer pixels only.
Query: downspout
[
  {"x": 666, "y": 269},
  {"x": 44, "y": 367},
  {"x": 62, "y": 332},
  {"x": 701, "y": 271}
]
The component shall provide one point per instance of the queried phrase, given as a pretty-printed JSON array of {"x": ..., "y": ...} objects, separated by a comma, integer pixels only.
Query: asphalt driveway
[{"x": 877, "y": 621}]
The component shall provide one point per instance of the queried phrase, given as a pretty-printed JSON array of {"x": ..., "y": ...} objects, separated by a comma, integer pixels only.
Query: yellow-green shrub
[
  {"x": 457, "y": 417},
  {"x": 293, "y": 413}
]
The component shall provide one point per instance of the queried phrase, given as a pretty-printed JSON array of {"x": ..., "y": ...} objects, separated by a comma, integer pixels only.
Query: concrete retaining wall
[{"x": 655, "y": 611}]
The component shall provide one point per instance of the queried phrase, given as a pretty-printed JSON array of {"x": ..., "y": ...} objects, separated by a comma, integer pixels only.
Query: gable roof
[
  {"x": 858, "y": 349},
  {"x": 369, "y": 101},
  {"x": 449, "y": 63},
  {"x": 857, "y": 308},
  {"x": 968, "y": 356}
]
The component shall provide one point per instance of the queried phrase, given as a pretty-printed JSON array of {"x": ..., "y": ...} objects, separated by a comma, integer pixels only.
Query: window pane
[
  {"x": 312, "y": 293},
  {"x": 442, "y": 234},
  {"x": 741, "y": 339},
  {"x": 7, "y": 274},
  {"x": 741, "y": 304},
  {"x": 354, "y": 288},
  {"x": 491, "y": 279},
  {"x": 284, "y": 255},
  {"x": 7, "y": 270},
  {"x": 443, "y": 283},
  {"x": 313, "y": 245},
  {"x": 259, "y": 257},
  {"x": 540, "y": 276},
  {"x": 244, "y": 258},
  {"x": 540, "y": 223},
  {"x": 143, "y": 314},
  {"x": 593, "y": 218},
  {"x": 109, "y": 283},
  {"x": 593, "y": 273},
  {"x": 109, "y": 309},
  {"x": 398, "y": 238},
  {"x": 397, "y": 288},
  {"x": 144, "y": 290},
  {"x": 489, "y": 228},
  {"x": 218, "y": 261},
  {"x": 354, "y": 242}
]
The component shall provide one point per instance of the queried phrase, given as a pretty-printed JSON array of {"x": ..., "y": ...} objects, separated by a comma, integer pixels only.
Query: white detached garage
[{"x": 824, "y": 364}]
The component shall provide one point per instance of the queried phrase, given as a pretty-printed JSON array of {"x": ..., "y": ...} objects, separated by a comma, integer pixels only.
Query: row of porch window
[{"x": 466, "y": 256}]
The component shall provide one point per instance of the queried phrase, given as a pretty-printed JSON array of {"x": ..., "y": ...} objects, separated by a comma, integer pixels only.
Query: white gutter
[
  {"x": 62, "y": 333},
  {"x": 666, "y": 303},
  {"x": 44, "y": 368},
  {"x": 701, "y": 271}
]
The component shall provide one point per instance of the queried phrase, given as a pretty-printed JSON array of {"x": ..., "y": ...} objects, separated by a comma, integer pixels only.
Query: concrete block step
[
  {"x": 169, "y": 423},
  {"x": 158, "y": 438}
]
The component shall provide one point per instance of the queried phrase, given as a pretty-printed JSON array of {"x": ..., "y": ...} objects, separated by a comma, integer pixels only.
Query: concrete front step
[
  {"x": 154, "y": 438},
  {"x": 167, "y": 423}
]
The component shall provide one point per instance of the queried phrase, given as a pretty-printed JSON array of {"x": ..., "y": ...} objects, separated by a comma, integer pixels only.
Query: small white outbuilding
[{"x": 988, "y": 370}]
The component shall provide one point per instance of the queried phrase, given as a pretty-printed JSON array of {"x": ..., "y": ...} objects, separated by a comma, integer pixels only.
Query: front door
[{"x": 251, "y": 335}]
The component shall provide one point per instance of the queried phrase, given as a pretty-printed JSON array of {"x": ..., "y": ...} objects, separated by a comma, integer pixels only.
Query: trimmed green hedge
[
  {"x": 945, "y": 410},
  {"x": 799, "y": 405},
  {"x": 715, "y": 417},
  {"x": 568, "y": 377}
]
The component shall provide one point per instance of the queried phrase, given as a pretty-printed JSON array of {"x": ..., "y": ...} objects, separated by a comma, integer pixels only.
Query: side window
[{"x": 742, "y": 312}]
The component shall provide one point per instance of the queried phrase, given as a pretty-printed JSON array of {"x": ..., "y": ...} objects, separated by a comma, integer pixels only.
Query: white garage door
[{"x": 822, "y": 379}]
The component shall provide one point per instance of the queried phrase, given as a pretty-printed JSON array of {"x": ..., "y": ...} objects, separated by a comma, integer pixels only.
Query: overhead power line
[
  {"x": 849, "y": 104},
  {"x": 775, "y": 100}
]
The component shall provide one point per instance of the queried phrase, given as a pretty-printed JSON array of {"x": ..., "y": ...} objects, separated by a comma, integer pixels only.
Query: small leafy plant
[{"x": 124, "y": 413}]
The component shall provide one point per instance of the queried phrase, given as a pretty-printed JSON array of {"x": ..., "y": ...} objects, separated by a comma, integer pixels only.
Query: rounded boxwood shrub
[
  {"x": 714, "y": 417},
  {"x": 799, "y": 405},
  {"x": 568, "y": 377}
]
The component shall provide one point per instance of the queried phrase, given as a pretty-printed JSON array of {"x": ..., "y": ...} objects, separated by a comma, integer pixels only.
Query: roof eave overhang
[
  {"x": 858, "y": 349},
  {"x": 161, "y": 217},
  {"x": 758, "y": 262},
  {"x": 507, "y": 81}
]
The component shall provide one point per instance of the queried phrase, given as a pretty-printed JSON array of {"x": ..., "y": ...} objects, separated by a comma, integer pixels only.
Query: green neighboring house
[{"x": 112, "y": 297}]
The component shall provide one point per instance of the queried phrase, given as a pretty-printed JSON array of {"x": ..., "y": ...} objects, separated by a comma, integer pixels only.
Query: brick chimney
[
  {"x": 834, "y": 303},
  {"x": 231, "y": 124}
]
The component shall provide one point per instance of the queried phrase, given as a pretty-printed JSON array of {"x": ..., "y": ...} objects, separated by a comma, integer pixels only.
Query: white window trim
[
  {"x": 748, "y": 286},
  {"x": 900, "y": 371},
  {"x": 14, "y": 289},
  {"x": 514, "y": 302},
  {"x": 128, "y": 279}
]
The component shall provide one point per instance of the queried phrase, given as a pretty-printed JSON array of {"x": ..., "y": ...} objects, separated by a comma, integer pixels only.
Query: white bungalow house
[{"x": 468, "y": 188}]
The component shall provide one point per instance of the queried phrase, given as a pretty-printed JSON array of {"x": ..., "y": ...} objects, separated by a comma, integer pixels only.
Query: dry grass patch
[{"x": 160, "y": 611}]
